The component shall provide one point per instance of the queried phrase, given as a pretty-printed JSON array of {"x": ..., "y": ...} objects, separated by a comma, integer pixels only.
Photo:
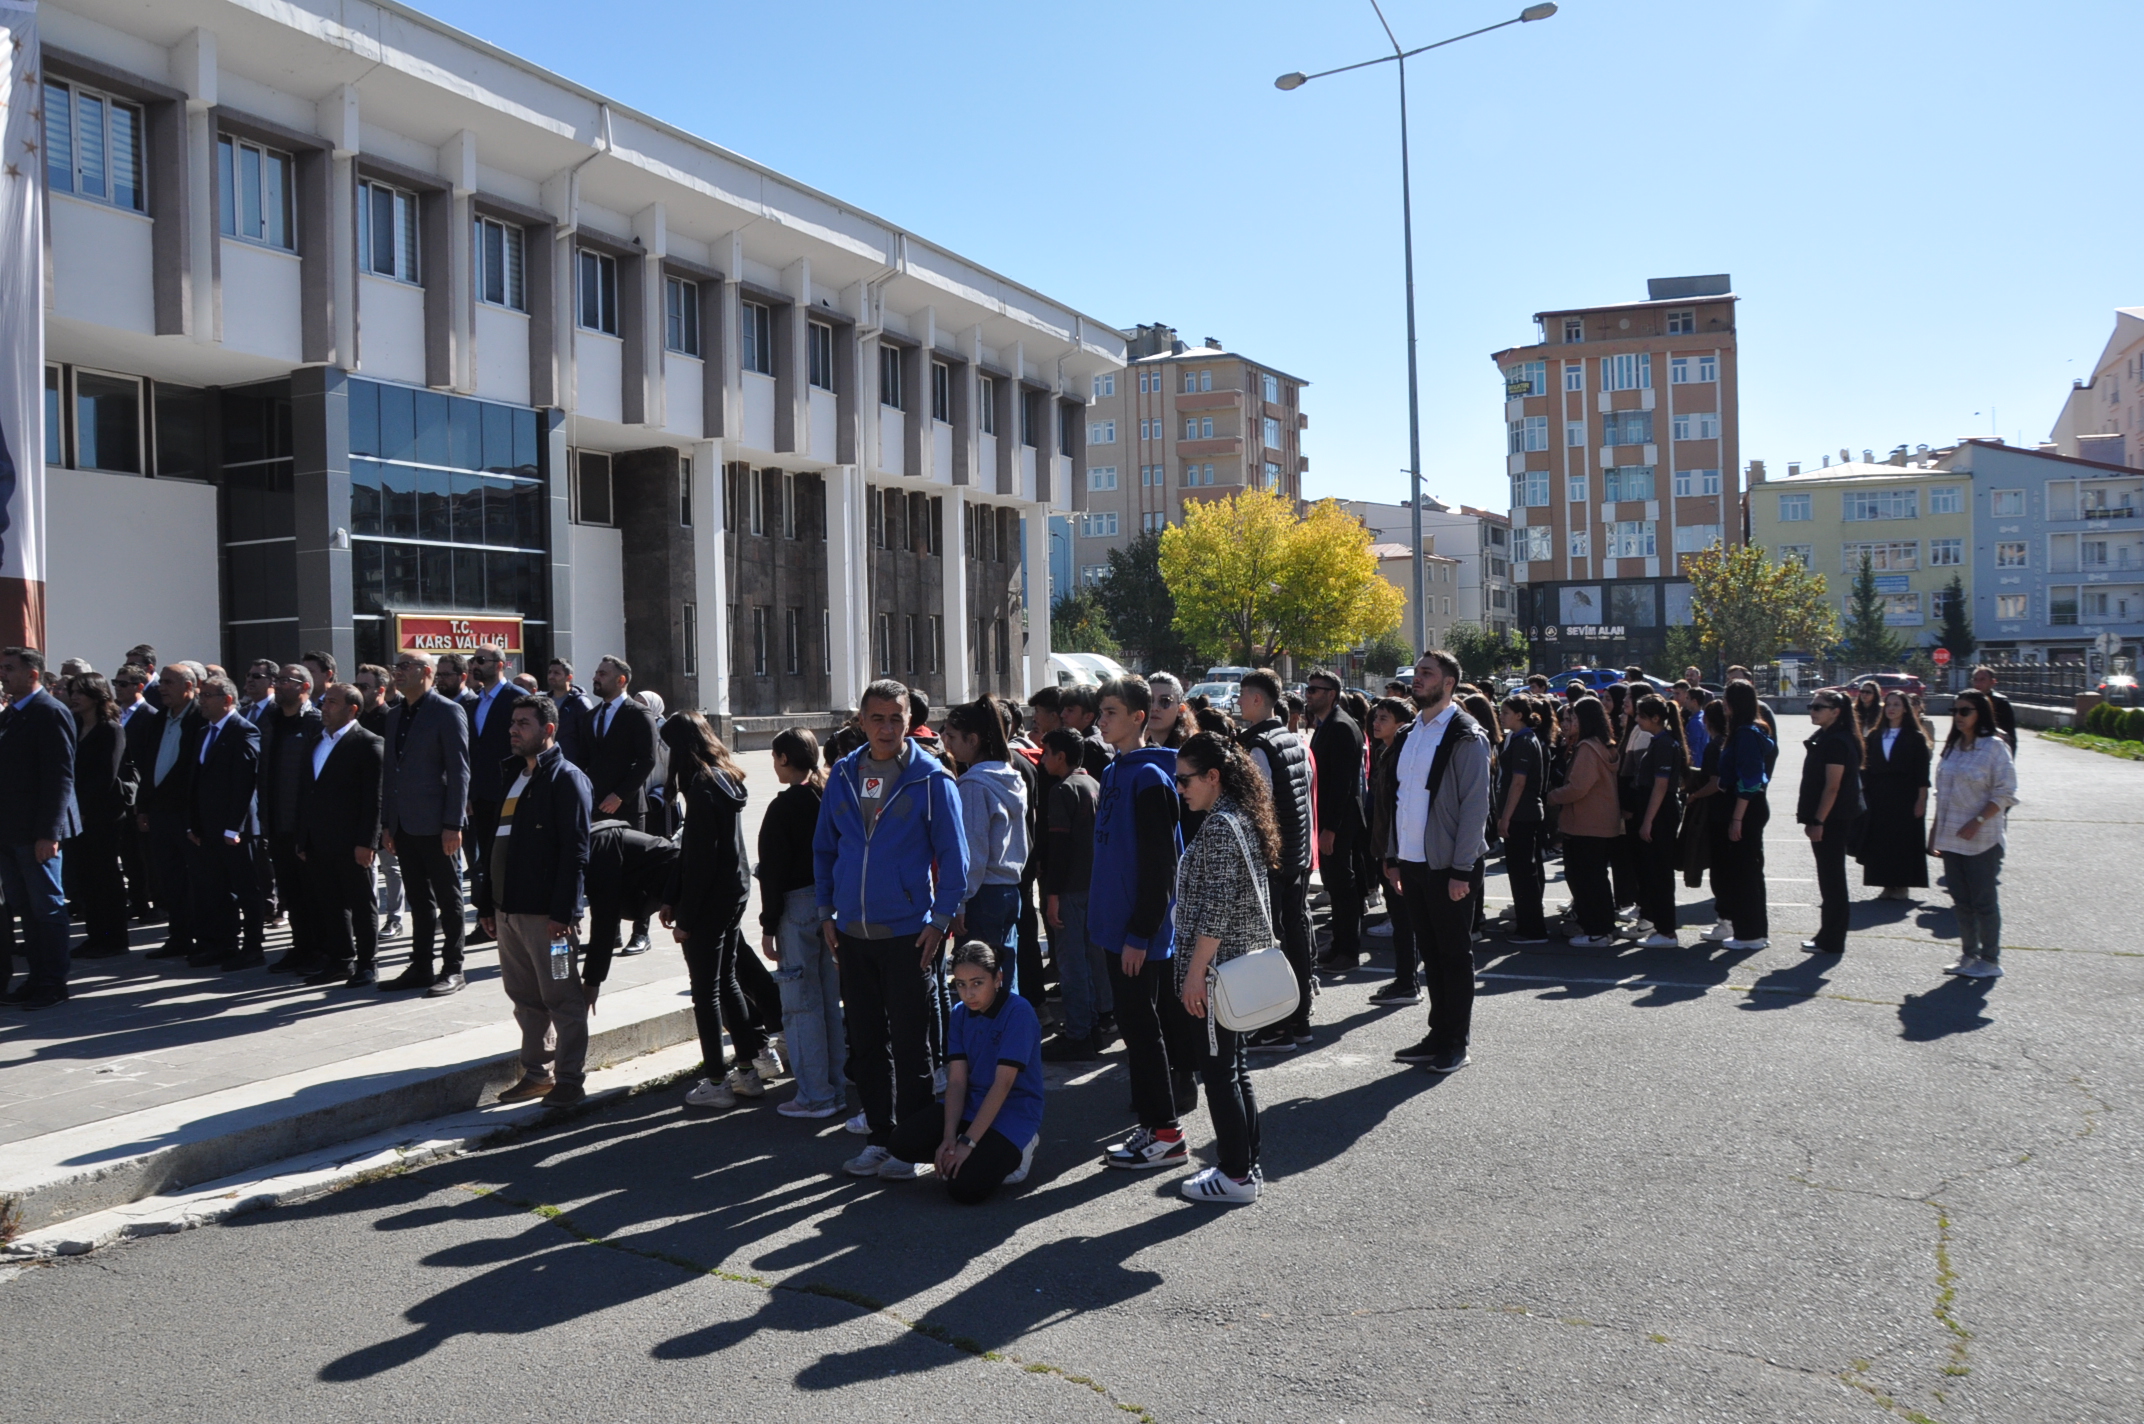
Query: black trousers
[
  {"x": 291, "y": 892},
  {"x": 1585, "y": 870},
  {"x": 89, "y": 870},
  {"x": 1288, "y": 903},
  {"x": 1626, "y": 863},
  {"x": 170, "y": 861},
  {"x": 762, "y": 996},
  {"x": 264, "y": 871},
  {"x": 711, "y": 963},
  {"x": 341, "y": 920},
  {"x": 1146, "y": 1049},
  {"x": 227, "y": 896},
  {"x": 435, "y": 900},
  {"x": 1030, "y": 946},
  {"x": 1406, "y": 963},
  {"x": 482, "y": 829},
  {"x": 1344, "y": 885},
  {"x": 886, "y": 1006},
  {"x": 1659, "y": 859},
  {"x": 1230, "y": 1101},
  {"x": 1740, "y": 864},
  {"x": 994, "y": 1158},
  {"x": 134, "y": 857},
  {"x": 1444, "y": 933},
  {"x": 1833, "y": 892},
  {"x": 1522, "y": 862}
]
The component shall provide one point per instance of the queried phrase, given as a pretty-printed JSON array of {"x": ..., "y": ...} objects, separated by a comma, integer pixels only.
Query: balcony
[
  {"x": 1219, "y": 445},
  {"x": 2119, "y": 512},
  {"x": 1209, "y": 400}
]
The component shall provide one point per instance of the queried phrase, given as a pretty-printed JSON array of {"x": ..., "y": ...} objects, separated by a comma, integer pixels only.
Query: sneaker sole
[
  {"x": 1149, "y": 1164},
  {"x": 1447, "y": 1072}
]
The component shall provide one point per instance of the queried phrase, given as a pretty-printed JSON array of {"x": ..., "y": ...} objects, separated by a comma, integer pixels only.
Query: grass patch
[{"x": 2106, "y": 746}]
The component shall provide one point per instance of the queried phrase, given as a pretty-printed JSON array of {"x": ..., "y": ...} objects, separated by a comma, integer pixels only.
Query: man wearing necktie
[
  {"x": 221, "y": 828},
  {"x": 37, "y": 812},
  {"x": 490, "y": 717}
]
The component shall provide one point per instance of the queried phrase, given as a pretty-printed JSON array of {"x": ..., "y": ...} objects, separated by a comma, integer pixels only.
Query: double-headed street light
[{"x": 1400, "y": 57}]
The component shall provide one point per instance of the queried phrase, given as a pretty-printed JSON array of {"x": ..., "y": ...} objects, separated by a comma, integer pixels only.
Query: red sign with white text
[{"x": 450, "y": 633}]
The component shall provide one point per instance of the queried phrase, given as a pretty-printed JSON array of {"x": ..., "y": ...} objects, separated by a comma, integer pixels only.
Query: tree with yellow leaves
[
  {"x": 1748, "y": 608},
  {"x": 1251, "y": 580}
]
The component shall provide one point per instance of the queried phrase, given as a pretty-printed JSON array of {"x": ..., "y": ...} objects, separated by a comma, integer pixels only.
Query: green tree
[
  {"x": 1078, "y": 625},
  {"x": 1482, "y": 653},
  {"x": 1869, "y": 641},
  {"x": 1683, "y": 648},
  {"x": 1957, "y": 630},
  {"x": 1136, "y": 603},
  {"x": 1387, "y": 652},
  {"x": 1748, "y": 608}
]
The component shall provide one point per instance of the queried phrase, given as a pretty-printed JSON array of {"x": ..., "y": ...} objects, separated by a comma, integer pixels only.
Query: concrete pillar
[
  {"x": 1035, "y": 562},
  {"x": 959, "y": 674},
  {"x": 710, "y": 583},
  {"x": 651, "y": 226},
  {"x": 193, "y": 71},
  {"x": 551, "y": 432},
  {"x": 457, "y": 164},
  {"x": 320, "y": 483},
  {"x": 337, "y": 117},
  {"x": 847, "y": 584}
]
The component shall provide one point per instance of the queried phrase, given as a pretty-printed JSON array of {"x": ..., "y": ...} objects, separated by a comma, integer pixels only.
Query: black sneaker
[
  {"x": 1449, "y": 1061},
  {"x": 1066, "y": 1049},
  {"x": 1272, "y": 1040},
  {"x": 1423, "y": 1052},
  {"x": 1395, "y": 993}
]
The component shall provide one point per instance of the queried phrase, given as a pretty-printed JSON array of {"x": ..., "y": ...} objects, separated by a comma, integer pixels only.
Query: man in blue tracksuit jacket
[
  {"x": 891, "y": 864},
  {"x": 1137, "y": 842}
]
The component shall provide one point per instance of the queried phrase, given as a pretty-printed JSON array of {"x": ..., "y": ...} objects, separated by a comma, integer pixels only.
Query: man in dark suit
[
  {"x": 2005, "y": 714},
  {"x": 373, "y": 684},
  {"x": 164, "y": 747},
  {"x": 37, "y": 812},
  {"x": 423, "y": 802},
  {"x": 338, "y": 825},
  {"x": 621, "y": 755},
  {"x": 143, "y": 656},
  {"x": 574, "y": 707},
  {"x": 1336, "y": 748},
  {"x": 127, "y": 685},
  {"x": 490, "y": 717},
  {"x": 289, "y": 733},
  {"x": 451, "y": 679},
  {"x": 221, "y": 824}
]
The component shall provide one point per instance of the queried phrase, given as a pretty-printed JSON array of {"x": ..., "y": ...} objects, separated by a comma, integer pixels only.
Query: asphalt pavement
[{"x": 1674, "y": 1185}]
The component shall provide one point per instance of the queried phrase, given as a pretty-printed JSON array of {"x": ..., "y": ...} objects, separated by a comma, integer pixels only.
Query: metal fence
[{"x": 2053, "y": 684}]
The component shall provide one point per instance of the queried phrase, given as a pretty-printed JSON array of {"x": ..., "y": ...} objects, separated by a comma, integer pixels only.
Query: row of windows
[
  {"x": 921, "y": 643},
  {"x": 1679, "y": 323},
  {"x": 93, "y": 145},
  {"x": 794, "y": 621},
  {"x": 1858, "y": 505}
]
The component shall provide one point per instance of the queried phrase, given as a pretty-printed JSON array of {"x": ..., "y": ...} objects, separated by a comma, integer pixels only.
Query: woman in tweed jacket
[{"x": 1220, "y": 914}]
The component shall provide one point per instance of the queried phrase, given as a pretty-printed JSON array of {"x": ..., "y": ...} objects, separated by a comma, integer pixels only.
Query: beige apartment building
[
  {"x": 2103, "y": 417},
  {"x": 1623, "y": 452},
  {"x": 1180, "y": 423}
]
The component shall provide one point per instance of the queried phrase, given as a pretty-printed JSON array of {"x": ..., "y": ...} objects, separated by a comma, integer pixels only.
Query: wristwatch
[{"x": 964, "y": 1140}]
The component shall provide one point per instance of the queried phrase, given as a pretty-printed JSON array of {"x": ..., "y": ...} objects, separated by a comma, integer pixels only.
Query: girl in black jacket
[
  {"x": 1894, "y": 782},
  {"x": 1661, "y": 768},
  {"x": 1829, "y": 805},
  {"x": 104, "y": 794},
  {"x": 807, "y": 977}
]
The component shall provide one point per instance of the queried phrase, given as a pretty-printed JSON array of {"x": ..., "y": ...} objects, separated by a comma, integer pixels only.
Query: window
[
  {"x": 1885, "y": 556},
  {"x": 1529, "y": 433},
  {"x": 941, "y": 392},
  {"x": 1627, "y": 482},
  {"x": 789, "y": 505},
  {"x": 1630, "y": 372},
  {"x": 499, "y": 260},
  {"x": 1270, "y": 387},
  {"x": 934, "y": 527},
  {"x": 819, "y": 337},
  {"x": 1694, "y": 538},
  {"x": 1698, "y": 425},
  {"x": 1803, "y": 554},
  {"x": 1100, "y": 526},
  {"x": 1793, "y": 508},
  {"x": 1696, "y": 482},
  {"x": 690, "y": 662},
  {"x": 1628, "y": 427},
  {"x": 1529, "y": 490},
  {"x": 1154, "y": 521},
  {"x": 1525, "y": 378},
  {"x": 755, "y": 333},
  {"x": 1192, "y": 426},
  {"x": 2010, "y": 556},
  {"x": 2010, "y": 606},
  {"x": 2092, "y": 553},
  {"x": 1105, "y": 385},
  {"x": 755, "y": 500},
  {"x": 1102, "y": 432},
  {"x": 55, "y": 419},
  {"x": 1205, "y": 384},
  {"x": 1682, "y": 323},
  {"x": 598, "y": 277},
  {"x": 386, "y": 231},
  {"x": 1939, "y": 605},
  {"x": 93, "y": 150},
  {"x": 1679, "y": 371},
  {"x": 1574, "y": 489},
  {"x": 1882, "y": 504},
  {"x": 1272, "y": 475},
  {"x": 107, "y": 422},
  {"x": 1581, "y": 541},
  {"x": 2006, "y": 504},
  {"x": 1272, "y": 433},
  {"x": 937, "y": 642},
  {"x": 1531, "y": 544},
  {"x": 681, "y": 316},
  {"x": 759, "y": 640},
  {"x": 254, "y": 193},
  {"x": 889, "y": 377},
  {"x": 684, "y": 493},
  {"x": 826, "y": 640},
  {"x": 1631, "y": 539},
  {"x": 1946, "y": 499},
  {"x": 1574, "y": 434},
  {"x": 908, "y": 641},
  {"x": 792, "y": 640},
  {"x": 1194, "y": 474},
  {"x": 1092, "y": 574},
  {"x": 986, "y": 405},
  {"x": 1102, "y": 477},
  {"x": 882, "y": 641},
  {"x": 591, "y": 487},
  {"x": 1574, "y": 330}
]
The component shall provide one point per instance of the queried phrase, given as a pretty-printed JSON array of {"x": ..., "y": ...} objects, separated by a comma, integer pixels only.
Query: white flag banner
[{"x": 22, "y": 330}]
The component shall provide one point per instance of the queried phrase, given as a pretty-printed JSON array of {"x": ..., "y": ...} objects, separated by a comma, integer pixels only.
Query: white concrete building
[
  {"x": 1478, "y": 539},
  {"x": 358, "y": 324},
  {"x": 2103, "y": 418}
]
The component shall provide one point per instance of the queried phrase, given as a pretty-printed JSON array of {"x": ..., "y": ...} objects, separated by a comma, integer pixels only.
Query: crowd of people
[{"x": 910, "y": 878}]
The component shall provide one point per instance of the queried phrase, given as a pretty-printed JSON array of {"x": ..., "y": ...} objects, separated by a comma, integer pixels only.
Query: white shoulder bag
[{"x": 1255, "y": 990}]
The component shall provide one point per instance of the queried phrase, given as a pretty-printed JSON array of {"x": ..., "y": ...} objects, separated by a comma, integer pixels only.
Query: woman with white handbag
[{"x": 1230, "y": 971}]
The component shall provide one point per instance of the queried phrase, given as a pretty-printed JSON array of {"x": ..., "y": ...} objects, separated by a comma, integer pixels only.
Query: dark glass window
[
  {"x": 431, "y": 414},
  {"x": 398, "y": 423},
  {"x": 364, "y": 399},
  {"x": 181, "y": 431},
  {"x": 465, "y": 435},
  {"x": 107, "y": 422}
]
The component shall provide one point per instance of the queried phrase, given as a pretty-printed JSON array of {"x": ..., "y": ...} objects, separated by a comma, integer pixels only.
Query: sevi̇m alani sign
[{"x": 22, "y": 330}]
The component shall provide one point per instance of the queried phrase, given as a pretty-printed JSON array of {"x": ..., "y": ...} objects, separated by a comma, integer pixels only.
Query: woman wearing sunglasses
[{"x": 1828, "y": 807}]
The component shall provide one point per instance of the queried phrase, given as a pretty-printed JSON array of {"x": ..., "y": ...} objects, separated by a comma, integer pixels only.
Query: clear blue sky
[{"x": 1929, "y": 209}]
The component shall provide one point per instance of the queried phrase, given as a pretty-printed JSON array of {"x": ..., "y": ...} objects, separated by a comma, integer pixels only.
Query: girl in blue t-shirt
[{"x": 993, "y": 1090}]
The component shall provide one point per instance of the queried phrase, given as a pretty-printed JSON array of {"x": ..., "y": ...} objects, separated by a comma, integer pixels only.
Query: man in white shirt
[
  {"x": 489, "y": 717},
  {"x": 338, "y": 825}
]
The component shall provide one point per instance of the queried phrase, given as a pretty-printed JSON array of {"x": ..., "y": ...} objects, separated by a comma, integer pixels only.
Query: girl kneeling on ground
[{"x": 993, "y": 1086}]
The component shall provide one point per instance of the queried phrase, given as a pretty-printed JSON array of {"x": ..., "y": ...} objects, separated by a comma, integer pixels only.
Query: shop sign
[{"x": 455, "y": 633}]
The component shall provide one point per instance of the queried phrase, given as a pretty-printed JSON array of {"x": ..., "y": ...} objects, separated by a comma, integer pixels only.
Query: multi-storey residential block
[
  {"x": 2103, "y": 419},
  {"x": 1477, "y": 544},
  {"x": 362, "y": 331},
  {"x": 1180, "y": 423},
  {"x": 1441, "y": 574},
  {"x": 1622, "y": 448}
]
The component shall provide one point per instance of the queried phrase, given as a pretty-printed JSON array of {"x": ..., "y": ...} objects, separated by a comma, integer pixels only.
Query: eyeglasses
[{"x": 1182, "y": 780}]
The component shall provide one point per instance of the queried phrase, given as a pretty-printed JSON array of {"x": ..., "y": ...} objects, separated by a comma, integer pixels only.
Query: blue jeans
[
  {"x": 1078, "y": 966},
  {"x": 35, "y": 895},
  {"x": 1971, "y": 880},
  {"x": 811, "y": 1003},
  {"x": 993, "y": 916}
]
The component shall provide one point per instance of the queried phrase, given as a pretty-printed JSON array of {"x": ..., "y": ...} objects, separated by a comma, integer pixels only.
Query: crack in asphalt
[{"x": 966, "y": 1345}]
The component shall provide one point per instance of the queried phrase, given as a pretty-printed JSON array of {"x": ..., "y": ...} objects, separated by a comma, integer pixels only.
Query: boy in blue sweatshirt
[
  {"x": 890, "y": 865},
  {"x": 1137, "y": 843}
]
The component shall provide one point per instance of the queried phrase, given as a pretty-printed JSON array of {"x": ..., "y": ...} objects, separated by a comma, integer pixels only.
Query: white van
[
  {"x": 1227, "y": 674},
  {"x": 1072, "y": 674},
  {"x": 1101, "y": 665}
]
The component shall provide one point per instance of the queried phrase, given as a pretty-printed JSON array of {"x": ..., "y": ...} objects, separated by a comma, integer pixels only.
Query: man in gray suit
[{"x": 423, "y": 803}]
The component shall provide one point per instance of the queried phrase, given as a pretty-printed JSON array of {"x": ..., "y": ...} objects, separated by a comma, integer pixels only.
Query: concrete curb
[{"x": 160, "y": 1151}]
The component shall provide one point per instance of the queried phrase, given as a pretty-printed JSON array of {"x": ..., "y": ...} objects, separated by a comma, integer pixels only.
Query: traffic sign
[
  {"x": 1942, "y": 657},
  {"x": 2108, "y": 642}
]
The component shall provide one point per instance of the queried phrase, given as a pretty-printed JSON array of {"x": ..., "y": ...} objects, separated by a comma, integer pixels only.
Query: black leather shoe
[
  {"x": 170, "y": 949},
  {"x": 413, "y": 977},
  {"x": 244, "y": 959},
  {"x": 1810, "y": 946},
  {"x": 444, "y": 985},
  {"x": 638, "y": 944},
  {"x": 566, "y": 1095},
  {"x": 359, "y": 978},
  {"x": 476, "y": 935},
  {"x": 29, "y": 998},
  {"x": 294, "y": 964},
  {"x": 327, "y": 974},
  {"x": 101, "y": 949},
  {"x": 206, "y": 959}
]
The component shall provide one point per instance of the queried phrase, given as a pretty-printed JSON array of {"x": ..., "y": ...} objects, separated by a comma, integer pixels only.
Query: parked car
[
  {"x": 1227, "y": 674},
  {"x": 2120, "y": 689},
  {"x": 1072, "y": 674},
  {"x": 1890, "y": 682},
  {"x": 1101, "y": 665},
  {"x": 1220, "y": 694}
]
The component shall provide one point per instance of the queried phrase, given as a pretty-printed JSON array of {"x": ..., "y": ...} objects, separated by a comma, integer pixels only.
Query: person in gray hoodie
[{"x": 993, "y": 816}]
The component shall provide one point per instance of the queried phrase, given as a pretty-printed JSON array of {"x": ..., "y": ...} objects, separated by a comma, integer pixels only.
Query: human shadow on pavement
[
  {"x": 1957, "y": 1005},
  {"x": 1791, "y": 985}
]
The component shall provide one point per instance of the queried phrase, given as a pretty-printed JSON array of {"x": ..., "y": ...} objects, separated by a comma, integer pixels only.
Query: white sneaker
[
  {"x": 707, "y": 1093},
  {"x": 1216, "y": 1187},
  {"x": 1719, "y": 933},
  {"x": 1381, "y": 930},
  {"x": 1641, "y": 928},
  {"x": 1027, "y": 1161},
  {"x": 745, "y": 1083},
  {"x": 893, "y": 1169},
  {"x": 1749, "y": 944},
  {"x": 1586, "y": 941},
  {"x": 797, "y": 1107},
  {"x": 857, "y": 1125},
  {"x": 867, "y": 1162},
  {"x": 1660, "y": 941},
  {"x": 1963, "y": 966},
  {"x": 768, "y": 1064},
  {"x": 1982, "y": 969}
]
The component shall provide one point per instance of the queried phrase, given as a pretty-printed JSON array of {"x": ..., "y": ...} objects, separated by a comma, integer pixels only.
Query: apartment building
[
  {"x": 364, "y": 334},
  {"x": 1441, "y": 574},
  {"x": 2103, "y": 418},
  {"x": 1912, "y": 517},
  {"x": 1180, "y": 423},
  {"x": 1476, "y": 543},
  {"x": 1623, "y": 451}
]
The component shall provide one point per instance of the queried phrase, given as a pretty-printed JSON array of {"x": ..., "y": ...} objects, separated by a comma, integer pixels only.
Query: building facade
[
  {"x": 1913, "y": 519},
  {"x": 1441, "y": 575},
  {"x": 2103, "y": 417},
  {"x": 1477, "y": 588},
  {"x": 1623, "y": 450},
  {"x": 362, "y": 331},
  {"x": 1180, "y": 423}
]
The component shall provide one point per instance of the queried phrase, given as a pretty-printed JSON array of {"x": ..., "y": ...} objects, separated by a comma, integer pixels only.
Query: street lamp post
[{"x": 1400, "y": 57}]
